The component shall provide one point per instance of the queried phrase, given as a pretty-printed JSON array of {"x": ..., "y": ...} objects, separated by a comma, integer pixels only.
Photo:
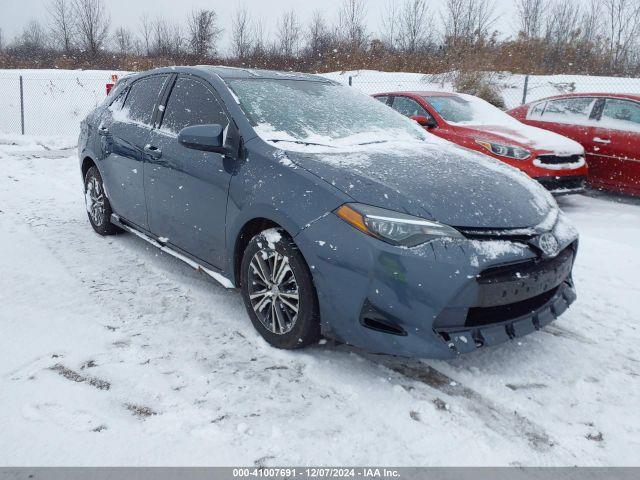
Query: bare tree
[
  {"x": 33, "y": 37},
  {"x": 241, "y": 32},
  {"x": 168, "y": 38},
  {"x": 124, "y": 41},
  {"x": 289, "y": 34},
  {"x": 318, "y": 36},
  {"x": 351, "y": 24},
  {"x": 203, "y": 32},
  {"x": 146, "y": 31},
  {"x": 62, "y": 24},
  {"x": 389, "y": 22},
  {"x": 468, "y": 21},
  {"x": 93, "y": 21},
  {"x": 591, "y": 27},
  {"x": 413, "y": 23},
  {"x": 1, "y": 41},
  {"x": 562, "y": 24},
  {"x": 531, "y": 15},
  {"x": 621, "y": 29},
  {"x": 258, "y": 47}
]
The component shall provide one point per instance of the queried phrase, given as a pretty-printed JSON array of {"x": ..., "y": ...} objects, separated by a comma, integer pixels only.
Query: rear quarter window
[
  {"x": 143, "y": 97},
  {"x": 575, "y": 110},
  {"x": 535, "y": 112},
  {"x": 619, "y": 114}
]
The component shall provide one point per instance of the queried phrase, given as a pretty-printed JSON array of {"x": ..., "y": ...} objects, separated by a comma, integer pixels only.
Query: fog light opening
[{"x": 373, "y": 319}]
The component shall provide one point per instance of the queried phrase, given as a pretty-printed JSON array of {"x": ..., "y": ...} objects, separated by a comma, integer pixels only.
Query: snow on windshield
[
  {"x": 320, "y": 113},
  {"x": 469, "y": 110}
]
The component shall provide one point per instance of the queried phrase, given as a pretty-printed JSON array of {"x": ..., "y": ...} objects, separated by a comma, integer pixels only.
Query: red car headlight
[{"x": 508, "y": 151}]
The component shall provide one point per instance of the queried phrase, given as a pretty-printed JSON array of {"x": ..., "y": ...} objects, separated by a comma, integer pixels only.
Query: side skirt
[{"x": 224, "y": 281}]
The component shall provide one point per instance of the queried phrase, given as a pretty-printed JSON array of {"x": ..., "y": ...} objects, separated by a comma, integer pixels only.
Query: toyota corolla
[{"x": 332, "y": 213}]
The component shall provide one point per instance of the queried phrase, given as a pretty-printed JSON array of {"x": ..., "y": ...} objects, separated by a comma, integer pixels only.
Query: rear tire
[
  {"x": 278, "y": 291},
  {"x": 97, "y": 203}
]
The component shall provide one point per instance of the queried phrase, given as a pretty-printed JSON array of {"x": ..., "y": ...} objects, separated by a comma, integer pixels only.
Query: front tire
[
  {"x": 278, "y": 291},
  {"x": 97, "y": 203}
]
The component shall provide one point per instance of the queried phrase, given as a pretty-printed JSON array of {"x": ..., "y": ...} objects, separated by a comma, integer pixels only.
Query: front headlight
[
  {"x": 505, "y": 150},
  {"x": 393, "y": 227}
]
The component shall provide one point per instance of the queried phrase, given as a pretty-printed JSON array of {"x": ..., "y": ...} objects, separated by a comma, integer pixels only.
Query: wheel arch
[
  {"x": 87, "y": 163},
  {"x": 249, "y": 230}
]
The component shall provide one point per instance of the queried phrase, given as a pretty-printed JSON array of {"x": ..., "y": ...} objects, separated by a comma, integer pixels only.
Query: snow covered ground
[{"x": 112, "y": 353}]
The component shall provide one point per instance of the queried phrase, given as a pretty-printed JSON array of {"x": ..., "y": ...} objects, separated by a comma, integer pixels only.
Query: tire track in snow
[{"x": 512, "y": 424}]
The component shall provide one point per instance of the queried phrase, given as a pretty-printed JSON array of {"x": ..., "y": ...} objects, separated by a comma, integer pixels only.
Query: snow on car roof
[
  {"x": 629, "y": 96},
  {"x": 226, "y": 72},
  {"x": 426, "y": 93}
]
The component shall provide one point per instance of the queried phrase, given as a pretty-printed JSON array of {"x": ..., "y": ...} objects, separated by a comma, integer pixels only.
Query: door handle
[
  {"x": 153, "y": 151},
  {"x": 606, "y": 141},
  {"x": 103, "y": 131}
]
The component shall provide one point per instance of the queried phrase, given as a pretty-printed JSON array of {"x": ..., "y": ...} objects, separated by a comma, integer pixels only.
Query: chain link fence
[
  {"x": 48, "y": 102},
  {"x": 52, "y": 102},
  {"x": 515, "y": 89}
]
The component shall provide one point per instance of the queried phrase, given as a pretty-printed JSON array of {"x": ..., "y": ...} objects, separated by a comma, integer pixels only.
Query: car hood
[
  {"x": 525, "y": 136},
  {"x": 433, "y": 179}
]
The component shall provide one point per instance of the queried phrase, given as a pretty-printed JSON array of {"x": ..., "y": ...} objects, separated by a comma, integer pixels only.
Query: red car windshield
[{"x": 466, "y": 109}]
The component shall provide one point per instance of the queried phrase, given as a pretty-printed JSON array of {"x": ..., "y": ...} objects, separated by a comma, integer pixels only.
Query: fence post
[
  {"x": 21, "y": 105},
  {"x": 350, "y": 80},
  {"x": 526, "y": 87}
]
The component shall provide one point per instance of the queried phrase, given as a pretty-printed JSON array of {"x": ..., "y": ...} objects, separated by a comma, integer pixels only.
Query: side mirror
[
  {"x": 428, "y": 122},
  {"x": 208, "y": 138}
]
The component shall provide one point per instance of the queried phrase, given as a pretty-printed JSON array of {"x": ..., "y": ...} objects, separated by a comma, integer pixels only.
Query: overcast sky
[{"x": 14, "y": 14}]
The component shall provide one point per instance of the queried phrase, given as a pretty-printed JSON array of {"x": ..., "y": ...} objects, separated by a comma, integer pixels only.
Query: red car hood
[{"x": 525, "y": 136}]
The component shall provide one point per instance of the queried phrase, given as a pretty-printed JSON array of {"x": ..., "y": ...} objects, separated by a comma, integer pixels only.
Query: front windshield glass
[
  {"x": 320, "y": 113},
  {"x": 469, "y": 110}
]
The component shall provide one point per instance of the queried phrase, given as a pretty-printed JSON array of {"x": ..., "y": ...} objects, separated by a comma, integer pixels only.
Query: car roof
[
  {"x": 226, "y": 72},
  {"x": 426, "y": 93},
  {"x": 629, "y": 96},
  {"x": 234, "y": 72}
]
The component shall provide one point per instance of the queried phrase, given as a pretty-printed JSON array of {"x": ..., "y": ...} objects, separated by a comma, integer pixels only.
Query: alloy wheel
[
  {"x": 273, "y": 291},
  {"x": 94, "y": 198}
]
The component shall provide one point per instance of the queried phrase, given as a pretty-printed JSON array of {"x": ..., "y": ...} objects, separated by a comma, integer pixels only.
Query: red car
[
  {"x": 607, "y": 125},
  {"x": 555, "y": 161}
]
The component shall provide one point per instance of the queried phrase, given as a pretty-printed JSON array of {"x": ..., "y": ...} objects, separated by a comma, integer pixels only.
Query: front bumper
[
  {"x": 563, "y": 185},
  {"x": 428, "y": 301}
]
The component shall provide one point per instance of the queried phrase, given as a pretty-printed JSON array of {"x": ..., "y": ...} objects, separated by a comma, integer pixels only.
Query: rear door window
[
  {"x": 192, "y": 103},
  {"x": 619, "y": 114},
  {"x": 409, "y": 107},
  {"x": 143, "y": 97},
  {"x": 575, "y": 110},
  {"x": 535, "y": 112},
  {"x": 383, "y": 98}
]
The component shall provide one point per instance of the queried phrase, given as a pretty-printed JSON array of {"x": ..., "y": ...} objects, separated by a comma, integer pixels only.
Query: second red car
[
  {"x": 607, "y": 125},
  {"x": 555, "y": 161}
]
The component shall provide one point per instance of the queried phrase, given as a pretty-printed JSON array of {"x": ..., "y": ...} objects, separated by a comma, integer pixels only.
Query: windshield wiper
[
  {"x": 374, "y": 141},
  {"x": 301, "y": 142}
]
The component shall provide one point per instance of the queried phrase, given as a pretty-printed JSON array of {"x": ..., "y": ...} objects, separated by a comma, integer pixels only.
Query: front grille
[
  {"x": 480, "y": 316},
  {"x": 490, "y": 234},
  {"x": 562, "y": 183},
  {"x": 559, "y": 160},
  {"x": 510, "y": 284}
]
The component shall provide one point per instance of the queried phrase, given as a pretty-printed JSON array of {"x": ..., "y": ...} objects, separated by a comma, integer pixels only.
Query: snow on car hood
[
  {"x": 525, "y": 136},
  {"x": 432, "y": 179}
]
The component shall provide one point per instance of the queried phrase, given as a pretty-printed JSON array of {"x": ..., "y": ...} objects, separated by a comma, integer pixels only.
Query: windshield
[
  {"x": 469, "y": 110},
  {"x": 319, "y": 113}
]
